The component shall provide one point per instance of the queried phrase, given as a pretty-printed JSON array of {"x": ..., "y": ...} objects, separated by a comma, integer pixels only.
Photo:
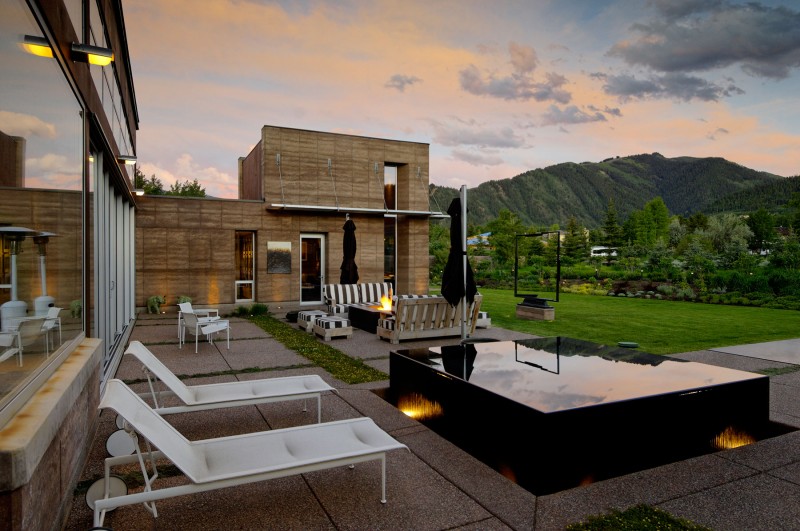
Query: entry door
[{"x": 312, "y": 268}]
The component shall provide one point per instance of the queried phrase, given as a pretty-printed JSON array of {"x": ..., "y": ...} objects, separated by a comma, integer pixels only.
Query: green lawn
[{"x": 660, "y": 327}]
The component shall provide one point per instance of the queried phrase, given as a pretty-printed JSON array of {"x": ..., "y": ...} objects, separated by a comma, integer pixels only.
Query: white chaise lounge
[
  {"x": 230, "y": 394},
  {"x": 229, "y": 461}
]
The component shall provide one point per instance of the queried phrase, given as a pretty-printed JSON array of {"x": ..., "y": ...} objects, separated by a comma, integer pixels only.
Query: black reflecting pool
[{"x": 554, "y": 413}]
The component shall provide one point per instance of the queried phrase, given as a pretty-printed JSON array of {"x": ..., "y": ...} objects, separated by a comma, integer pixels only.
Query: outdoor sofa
[
  {"x": 417, "y": 317},
  {"x": 339, "y": 297}
]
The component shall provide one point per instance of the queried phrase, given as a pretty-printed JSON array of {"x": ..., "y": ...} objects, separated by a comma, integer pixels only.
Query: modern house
[
  {"x": 282, "y": 239},
  {"x": 68, "y": 122},
  {"x": 74, "y": 236}
]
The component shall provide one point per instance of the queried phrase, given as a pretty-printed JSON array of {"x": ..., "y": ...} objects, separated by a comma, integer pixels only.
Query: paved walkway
[{"x": 435, "y": 485}]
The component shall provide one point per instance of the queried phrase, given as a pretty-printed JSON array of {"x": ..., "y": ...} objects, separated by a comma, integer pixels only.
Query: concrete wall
[
  {"x": 185, "y": 246},
  {"x": 43, "y": 448}
]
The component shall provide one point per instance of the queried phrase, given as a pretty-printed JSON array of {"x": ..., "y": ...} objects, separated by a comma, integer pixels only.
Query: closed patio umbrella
[
  {"x": 453, "y": 285},
  {"x": 349, "y": 268}
]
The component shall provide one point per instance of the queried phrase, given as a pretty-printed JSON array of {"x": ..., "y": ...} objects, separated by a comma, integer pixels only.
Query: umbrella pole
[{"x": 464, "y": 260}]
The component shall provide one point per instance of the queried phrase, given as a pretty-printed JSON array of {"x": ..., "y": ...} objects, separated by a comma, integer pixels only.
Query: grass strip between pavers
[
  {"x": 637, "y": 518},
  {"x": 337, "y": 363}
]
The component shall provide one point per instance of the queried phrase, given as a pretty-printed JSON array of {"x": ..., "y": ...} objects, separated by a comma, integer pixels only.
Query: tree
[
  {"x": 728, "y": 235},
  {"x": 786, "y": 254},
  {"x": 187, "y": 189},
  {"x": 611, "y": 227},
  {"x": 151, "y": 186},
  {"x": 154, "y": 186},
  {"x": 576, "y": 243},
  {"x": 438, "y": 247},
  {"x": 762, "y": 224},
  {"x": 504, "y": 229}
]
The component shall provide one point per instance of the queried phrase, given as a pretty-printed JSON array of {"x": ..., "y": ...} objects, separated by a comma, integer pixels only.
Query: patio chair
[
  {"x": 29, "y": 331},
  {"x": 194, "y": 326},
  {"x": 7, "y": 342},
  {"x": 51, "y": 322},
  {"x": 203, "y": 315},
  {"x": 228, "y": 461},
  {"x": 229, "y": 394}
]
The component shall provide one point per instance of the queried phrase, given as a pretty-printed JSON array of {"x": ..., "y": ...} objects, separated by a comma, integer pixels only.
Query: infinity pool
[{"x": 554, "y": 413}]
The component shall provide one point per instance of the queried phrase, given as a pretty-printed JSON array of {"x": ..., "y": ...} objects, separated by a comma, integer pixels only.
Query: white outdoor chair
[
  {"x": 203, "y": 314},
  {"x": 29, "y": 331},
  {"x": 194, "y": 326},
  {"x": 7, "y": 342},
  {"x": 228, "y": 461},
  {"x": 51, "y": 322},
  {"x": 229, "y": 394}
]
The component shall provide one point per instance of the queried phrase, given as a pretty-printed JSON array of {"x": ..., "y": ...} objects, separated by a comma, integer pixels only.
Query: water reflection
[
  {"x": 41, "y": 189},
  {"x": 556, "y": 374}
]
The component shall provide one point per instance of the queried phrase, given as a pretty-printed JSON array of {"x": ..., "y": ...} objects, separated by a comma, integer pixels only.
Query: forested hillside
[
  {"x": 770, "y": 195},
  {"x": 551, "y": 195}
]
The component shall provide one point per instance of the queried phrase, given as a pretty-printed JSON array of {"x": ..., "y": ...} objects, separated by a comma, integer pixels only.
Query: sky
[{"x": 496, "y": 87}]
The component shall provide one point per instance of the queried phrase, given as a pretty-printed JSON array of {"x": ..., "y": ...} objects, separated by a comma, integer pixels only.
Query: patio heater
[
  {"x": 42, "y": 303},
  {"x": 14, "y": 307}
]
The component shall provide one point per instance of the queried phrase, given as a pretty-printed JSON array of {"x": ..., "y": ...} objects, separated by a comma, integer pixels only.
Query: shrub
[
  {"x": 183, "y": 298},
  {"x": 252, "y": 310}
]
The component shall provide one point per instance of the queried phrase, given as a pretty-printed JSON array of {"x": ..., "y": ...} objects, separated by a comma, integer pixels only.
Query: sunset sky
[{"x": 495, "y": 87}]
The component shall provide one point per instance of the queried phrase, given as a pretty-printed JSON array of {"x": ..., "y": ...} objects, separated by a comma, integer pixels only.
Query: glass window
[
  {"x": 245, "y": 244},
  {"x": 41, "y": 179}
]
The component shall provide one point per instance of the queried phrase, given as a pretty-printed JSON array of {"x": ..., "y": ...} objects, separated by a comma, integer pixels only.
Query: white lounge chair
[
  {"x": 229, "y": 461},
  {"x": 230, "y": 394},
  {"x": 196, "y": 327}
]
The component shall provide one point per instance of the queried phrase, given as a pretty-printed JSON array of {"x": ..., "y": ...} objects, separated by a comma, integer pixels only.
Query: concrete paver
[{"x": 434, "y": 485}]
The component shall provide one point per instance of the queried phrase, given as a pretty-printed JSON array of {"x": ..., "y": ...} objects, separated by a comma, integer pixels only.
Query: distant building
[{"x": 598, "y": 250}]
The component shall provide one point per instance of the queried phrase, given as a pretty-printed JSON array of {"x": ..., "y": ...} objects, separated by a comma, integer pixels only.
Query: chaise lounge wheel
[
  {"x": 116, "y": 487},
  {"x": 120, "y": 421},
  {"x": 120, "y": 443}
]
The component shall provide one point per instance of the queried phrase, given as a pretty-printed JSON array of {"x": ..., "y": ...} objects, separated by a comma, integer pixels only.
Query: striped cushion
[
  {"x": 338, "y": 309},
  {"x": 354, "y": 293},
  {"x": 309, "y": 315},
  {"x": 332, "y": 322},
  {"x": 372, "y": 292}
]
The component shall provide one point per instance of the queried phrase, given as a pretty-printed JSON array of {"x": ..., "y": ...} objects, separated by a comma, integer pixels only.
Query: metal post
[{"x": 464, "y": 256}]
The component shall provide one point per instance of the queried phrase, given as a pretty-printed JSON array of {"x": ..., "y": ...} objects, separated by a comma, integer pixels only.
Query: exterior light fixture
[
  {"x": 37, "y": 46},
  {"x": 138, "y": 191},
  {"x": 128, "y": 160},
  {"x": 94, "y": 55}
]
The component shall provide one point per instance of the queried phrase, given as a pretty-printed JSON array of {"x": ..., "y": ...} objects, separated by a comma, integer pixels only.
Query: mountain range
[{"x": 551, "y": 195}]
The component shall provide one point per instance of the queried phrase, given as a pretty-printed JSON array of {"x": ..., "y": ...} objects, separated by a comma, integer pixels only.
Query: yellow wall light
[
  {"x": 127, "y": 160},
  {"x": 37, "y": 46},
  {"x": 94, "y": 55}
]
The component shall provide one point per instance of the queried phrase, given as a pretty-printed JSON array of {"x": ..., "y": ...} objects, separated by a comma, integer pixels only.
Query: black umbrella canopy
[
  {"x": 453, "y": 274},
  {"x": 349, "y": 268}
]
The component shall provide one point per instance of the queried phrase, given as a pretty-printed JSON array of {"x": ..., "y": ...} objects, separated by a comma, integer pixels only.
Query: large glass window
[
  {"x": 245, "y": 266},
  {"x": 41, "y": 208}
]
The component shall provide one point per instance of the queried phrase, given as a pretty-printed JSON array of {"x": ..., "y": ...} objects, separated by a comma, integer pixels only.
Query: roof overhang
[{"x": 353, "y": 210}]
